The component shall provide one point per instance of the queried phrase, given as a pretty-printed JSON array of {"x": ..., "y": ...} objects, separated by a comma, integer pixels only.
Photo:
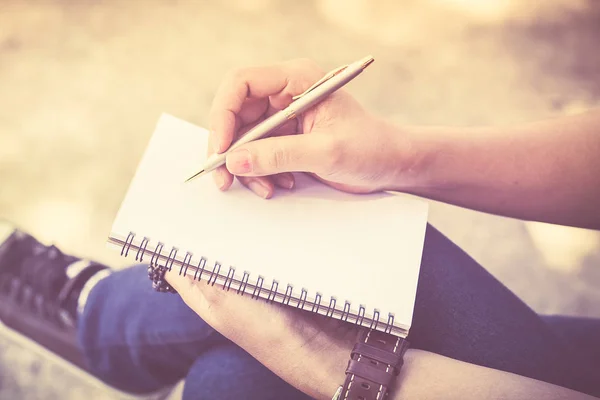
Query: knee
[{"x": 109, "y": 304}]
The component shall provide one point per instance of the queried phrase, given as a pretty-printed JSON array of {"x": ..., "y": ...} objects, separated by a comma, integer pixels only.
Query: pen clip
[{"x": 324, "y": 79}]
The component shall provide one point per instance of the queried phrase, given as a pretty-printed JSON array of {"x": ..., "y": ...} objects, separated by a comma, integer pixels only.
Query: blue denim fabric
[{"x": 139, "y": 341}]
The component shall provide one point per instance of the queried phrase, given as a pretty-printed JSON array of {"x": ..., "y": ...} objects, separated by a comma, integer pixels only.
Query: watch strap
[{"x": 375, "y": 361}]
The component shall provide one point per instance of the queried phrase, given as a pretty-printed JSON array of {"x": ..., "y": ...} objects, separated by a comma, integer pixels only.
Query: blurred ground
[{"x": 83, "y": 84}]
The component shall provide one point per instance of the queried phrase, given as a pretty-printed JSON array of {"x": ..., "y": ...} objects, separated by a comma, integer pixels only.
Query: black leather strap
[
  {"x": 375, "y": 361},
  {"x": 362, "y": 370},
  {"x": 376, "y": 353}
]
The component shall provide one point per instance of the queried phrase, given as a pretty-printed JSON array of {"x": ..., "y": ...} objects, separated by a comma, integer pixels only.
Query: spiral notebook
[{"x": 351, "y": 257}]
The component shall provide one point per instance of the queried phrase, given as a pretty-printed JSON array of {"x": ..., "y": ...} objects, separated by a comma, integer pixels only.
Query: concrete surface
[{"x": 83, "y": 83}]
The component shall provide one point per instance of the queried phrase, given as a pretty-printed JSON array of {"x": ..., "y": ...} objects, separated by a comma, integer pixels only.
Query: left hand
[{"x": 307, "y": 350}]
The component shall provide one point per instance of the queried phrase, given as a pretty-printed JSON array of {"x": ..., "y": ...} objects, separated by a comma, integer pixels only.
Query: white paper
[{"x": 365, "y": 249}]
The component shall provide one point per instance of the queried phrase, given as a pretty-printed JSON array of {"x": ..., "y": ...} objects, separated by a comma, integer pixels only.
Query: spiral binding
[{"x": 156, "y": 273}]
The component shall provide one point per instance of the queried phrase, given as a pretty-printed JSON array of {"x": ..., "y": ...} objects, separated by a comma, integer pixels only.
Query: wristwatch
[{"x": 375, "y": 361}]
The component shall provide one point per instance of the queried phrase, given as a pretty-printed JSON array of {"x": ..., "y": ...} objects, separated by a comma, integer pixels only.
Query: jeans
[{"x": 140, "y": 341}]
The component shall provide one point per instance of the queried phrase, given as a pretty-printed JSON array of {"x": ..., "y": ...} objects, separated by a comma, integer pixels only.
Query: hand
[
  {"x": 307, "y": 350},
  {"x": 336, "y": 141},
  {"x": 311, "y": 352}
]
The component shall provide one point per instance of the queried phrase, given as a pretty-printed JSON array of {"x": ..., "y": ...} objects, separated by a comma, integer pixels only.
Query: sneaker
[
  {"x": 39, "y": 303},
  {"x": 39, "y": 291}
]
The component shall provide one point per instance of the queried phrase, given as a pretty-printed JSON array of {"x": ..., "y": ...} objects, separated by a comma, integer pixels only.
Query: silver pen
[{"x": 331, "y": 82}]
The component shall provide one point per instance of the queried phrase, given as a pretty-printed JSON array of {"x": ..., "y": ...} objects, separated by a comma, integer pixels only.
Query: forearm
[
  {"x": 547, "y": 171},
  {"x": 424, "y": 375},
  {"x": 431, "y": 376}
]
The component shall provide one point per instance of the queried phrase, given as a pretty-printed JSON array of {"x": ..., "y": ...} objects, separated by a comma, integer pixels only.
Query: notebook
[{"x": 351, "y": 257}]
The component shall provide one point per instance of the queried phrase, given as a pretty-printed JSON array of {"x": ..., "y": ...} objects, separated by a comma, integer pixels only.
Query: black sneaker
[{"x": 39, "y": 291}]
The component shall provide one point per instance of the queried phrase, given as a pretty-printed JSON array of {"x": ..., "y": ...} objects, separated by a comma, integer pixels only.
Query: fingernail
[
  {"x": 239, "y": 162},
  {"x": 259, "y": 189},
  {"x": 219, "y": 179},
  {"x": 286, "y": 181},
  {"x": 216, "y": 145}
]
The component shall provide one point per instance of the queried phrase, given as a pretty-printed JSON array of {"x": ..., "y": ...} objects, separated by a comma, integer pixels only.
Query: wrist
[
  {"x": 313, "y": 354},
  {"x": 323, "y": 369},
  {"x": 374, "y": 365},
  {"x": 411, "y": 157},
  {"x": 330, "y": 358},
  {"x": 435, "y": 161},
  {"x": 427, "y": 159}
]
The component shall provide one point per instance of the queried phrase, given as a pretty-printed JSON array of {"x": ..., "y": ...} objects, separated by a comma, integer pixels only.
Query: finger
[
  {"x": 251, "y": 113},
  {"x": 310, "y": 73},
  {"x": 222, "y": 177},
  {"x": 290, "y": 127},
  {"x": 227, "y": 312},
  {"x": 274, "y": 155},
  {"x": 206, "y": 299},
  {"x": 178, "y": 281},
  {"x": 281, "y": 80},
  {"x": 262, "y": 186},
  {"x": 285, "y": 180},
  {"x": 252, "y": 110},
  {"x": 192, "y": 293},
  {"x": 258, "y": 82}
]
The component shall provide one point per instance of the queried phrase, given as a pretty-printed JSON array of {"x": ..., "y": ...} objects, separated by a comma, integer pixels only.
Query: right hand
[{"x": 336, "y": 141}]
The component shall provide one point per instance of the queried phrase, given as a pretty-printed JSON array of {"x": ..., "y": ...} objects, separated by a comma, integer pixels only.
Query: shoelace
[{"x": 41, "y": 275}]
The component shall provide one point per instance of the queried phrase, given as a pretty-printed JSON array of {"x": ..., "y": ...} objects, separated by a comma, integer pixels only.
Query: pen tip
[
  {"x": 367, "y": 61},
  {"x": 193, "y": 176}
]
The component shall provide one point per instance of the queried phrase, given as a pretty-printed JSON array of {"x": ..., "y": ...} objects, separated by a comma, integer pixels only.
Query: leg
[
  {"x": 140, "y": 341},
  {"x": 227, "y": 372},
  {"x": 463, "y": 312},
  {"x": 583, "y": 332},
  {"x": 127, "y": 335}
]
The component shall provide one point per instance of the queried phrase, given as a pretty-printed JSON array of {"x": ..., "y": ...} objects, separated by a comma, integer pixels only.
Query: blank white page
[{"x": 365, "y": 249}]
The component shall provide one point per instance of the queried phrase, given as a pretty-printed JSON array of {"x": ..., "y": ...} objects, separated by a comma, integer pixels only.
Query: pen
[{"x": 331, "y": 82}]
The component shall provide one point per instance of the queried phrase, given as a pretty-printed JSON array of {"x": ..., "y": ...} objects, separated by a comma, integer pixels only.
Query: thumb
[{"x": 294, "y": 153}]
